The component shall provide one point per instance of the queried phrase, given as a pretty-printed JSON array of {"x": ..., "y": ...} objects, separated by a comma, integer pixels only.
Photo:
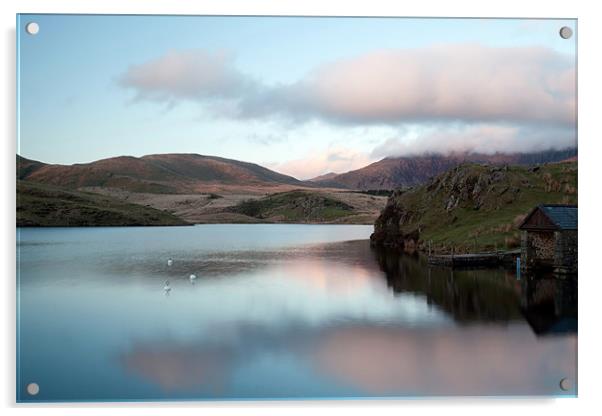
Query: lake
[{"x": 276, "y": 311}]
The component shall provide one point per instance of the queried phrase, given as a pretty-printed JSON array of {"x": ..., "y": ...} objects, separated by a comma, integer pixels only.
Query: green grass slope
[
  {"x": 295, "y": 206},
  {"x": 49, "y": 206},
  {"x": 473, "y": 207}
]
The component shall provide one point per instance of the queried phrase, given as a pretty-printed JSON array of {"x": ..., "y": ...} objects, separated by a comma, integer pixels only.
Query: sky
[{"x": 303, "y": 96}]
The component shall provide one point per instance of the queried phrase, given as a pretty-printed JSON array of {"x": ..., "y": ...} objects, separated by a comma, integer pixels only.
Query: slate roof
[{"x": 564, "y": 217}]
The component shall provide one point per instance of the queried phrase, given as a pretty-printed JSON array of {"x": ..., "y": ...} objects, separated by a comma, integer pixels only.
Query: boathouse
[{"x": 549, "y": 239}]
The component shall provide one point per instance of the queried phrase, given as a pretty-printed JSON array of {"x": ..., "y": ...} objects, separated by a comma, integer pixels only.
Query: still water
[{"x": 276, "y": 311}]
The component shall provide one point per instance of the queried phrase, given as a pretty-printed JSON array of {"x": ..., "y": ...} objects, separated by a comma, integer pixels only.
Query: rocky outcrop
[{"x": 468, "y": 203}]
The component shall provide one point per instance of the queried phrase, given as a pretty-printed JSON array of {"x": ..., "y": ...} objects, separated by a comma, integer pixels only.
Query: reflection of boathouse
[{"x": 549, "y": 239}]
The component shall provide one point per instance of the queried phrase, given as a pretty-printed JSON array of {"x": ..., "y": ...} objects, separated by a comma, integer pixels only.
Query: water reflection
[
  {"x": 468, "y": 295},
  {"x": 297, "y": 320},
  {"x": 549, "y": 303},
  {"x": 475, "y": 360},
  {"x": 384, "y": 357},
  {"x": 185, "y": 368},
  {"x": 366, "y": 360}
]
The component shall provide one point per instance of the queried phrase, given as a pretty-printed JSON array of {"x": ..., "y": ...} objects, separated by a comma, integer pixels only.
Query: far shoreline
[{"x": 186, "y": 225}]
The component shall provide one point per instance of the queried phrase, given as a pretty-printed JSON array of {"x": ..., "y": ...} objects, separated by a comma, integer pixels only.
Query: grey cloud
[{"x": 187, "y": 75}]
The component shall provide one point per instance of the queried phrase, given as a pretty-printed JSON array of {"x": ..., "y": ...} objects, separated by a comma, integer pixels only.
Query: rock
[
  {"x": 498, "y": 176},
  {"x": 449, "y": 205}
]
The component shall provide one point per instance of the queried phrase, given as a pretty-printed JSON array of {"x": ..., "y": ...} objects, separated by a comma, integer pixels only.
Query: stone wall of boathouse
[{"x": 565, "y": 253}]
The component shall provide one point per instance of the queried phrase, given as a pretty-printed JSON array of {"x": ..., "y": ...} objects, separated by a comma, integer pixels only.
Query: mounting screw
[
  {"x": 565, "y": 384},
  {"x": 33, "y": 389},
  {"x": 32, "y": 28},
  {"x": 566, "y": 32}
]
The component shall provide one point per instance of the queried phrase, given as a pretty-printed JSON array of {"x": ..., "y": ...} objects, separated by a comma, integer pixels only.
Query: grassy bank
[
  {"x": 40, "y": 205},
  {"x": 473, "y": 207},
  {"x": 295, "y": 206}
]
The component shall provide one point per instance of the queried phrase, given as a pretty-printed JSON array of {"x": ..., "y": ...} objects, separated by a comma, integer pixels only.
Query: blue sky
[{"x": 303, "y": 96}]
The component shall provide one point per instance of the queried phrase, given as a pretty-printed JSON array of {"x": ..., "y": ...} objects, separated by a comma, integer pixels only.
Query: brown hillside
[
  {"x": 402, "y": 172},
  {"x": 167, "y": 173}
]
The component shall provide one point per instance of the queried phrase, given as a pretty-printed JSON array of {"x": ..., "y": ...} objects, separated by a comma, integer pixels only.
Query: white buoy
[
  {"x": 169, "y": 262},
  {"x": 192, "y": 277}
]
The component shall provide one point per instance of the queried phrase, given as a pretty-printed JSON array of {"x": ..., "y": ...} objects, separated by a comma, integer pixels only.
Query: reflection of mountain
[
  {"x": 468, "y": 295},
  {"x": 549, "y": 305}
]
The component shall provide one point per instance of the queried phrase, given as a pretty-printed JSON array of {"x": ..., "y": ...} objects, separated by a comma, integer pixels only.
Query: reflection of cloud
[
  {"x": 372, "y": 360},
  {"x": 331, "y": 278},
  {"x": 180, "y": 368},
  {"x": 469, "y": 361}
]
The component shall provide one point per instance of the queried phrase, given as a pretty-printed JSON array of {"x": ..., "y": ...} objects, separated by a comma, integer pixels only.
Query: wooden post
[{"x": 518, "y": 268}]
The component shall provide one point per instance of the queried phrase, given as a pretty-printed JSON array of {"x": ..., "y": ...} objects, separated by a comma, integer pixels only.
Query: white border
[{"x": 590, "y": 167}]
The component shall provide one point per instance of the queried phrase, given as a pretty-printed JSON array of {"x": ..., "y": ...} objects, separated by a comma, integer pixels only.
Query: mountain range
[
  {"x": 165, "y": 173},
  {"x": 193, "y": 173},
  {"x": 400, "y": 172},
  {"x": 191, "y": 188}
]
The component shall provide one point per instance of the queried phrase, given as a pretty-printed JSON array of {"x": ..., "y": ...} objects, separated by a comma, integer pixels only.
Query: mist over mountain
[{"x": 399, "y": 172}]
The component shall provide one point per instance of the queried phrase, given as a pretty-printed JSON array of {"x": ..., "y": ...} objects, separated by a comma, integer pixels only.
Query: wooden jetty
[{"x": 492, "y": 259}]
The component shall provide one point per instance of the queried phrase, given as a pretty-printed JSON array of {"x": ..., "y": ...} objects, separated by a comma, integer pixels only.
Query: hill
[
  {"x": 326, "y": 177},
  {"x": 197, "y": 189},
  {"x": 165, "y": 173},
  {"x": 401, "y": 172},
  {"x": 40, "y": 205},
  {"x": 296, "y": 207},
  {"x": 472, "y": 207}
]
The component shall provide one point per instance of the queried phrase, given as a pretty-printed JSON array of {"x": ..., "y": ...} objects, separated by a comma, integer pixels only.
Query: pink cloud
[
  {"x": 320, "y": 162},
  {"x": 466, "y": 82},
  {"x": 457, "y": 82}
]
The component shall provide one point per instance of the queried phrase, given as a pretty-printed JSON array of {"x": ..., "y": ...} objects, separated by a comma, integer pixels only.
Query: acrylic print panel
[{"x": 216, "y": 208}]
